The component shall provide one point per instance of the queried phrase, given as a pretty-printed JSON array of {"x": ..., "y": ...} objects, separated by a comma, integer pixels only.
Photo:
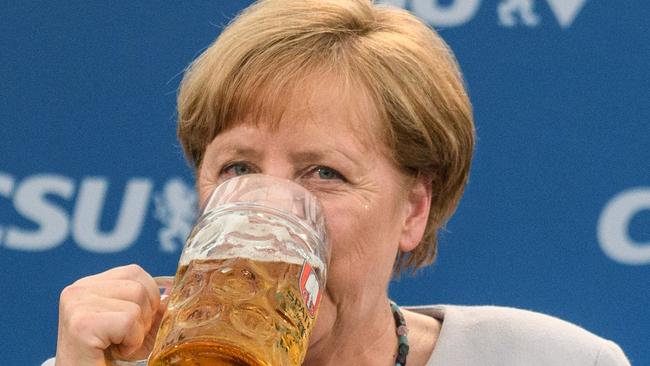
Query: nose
[{"x": 279, "y": 168}]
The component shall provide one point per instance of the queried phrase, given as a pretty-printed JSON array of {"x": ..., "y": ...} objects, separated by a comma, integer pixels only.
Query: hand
[{"x": 114, "y": 309}]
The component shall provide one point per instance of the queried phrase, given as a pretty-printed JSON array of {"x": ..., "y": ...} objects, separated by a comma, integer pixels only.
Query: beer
[{"x": 238, "y": 311}]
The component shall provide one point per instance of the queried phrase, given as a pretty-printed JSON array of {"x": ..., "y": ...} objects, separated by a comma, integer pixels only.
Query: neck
[{"x": 358, "y": 336}]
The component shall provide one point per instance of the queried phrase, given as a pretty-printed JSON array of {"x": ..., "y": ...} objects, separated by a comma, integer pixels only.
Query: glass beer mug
[{"x": 249, "y": 279}]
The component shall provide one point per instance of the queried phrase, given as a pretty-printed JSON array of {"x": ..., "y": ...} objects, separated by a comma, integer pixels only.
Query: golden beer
[{"x": 237, "y": 311}]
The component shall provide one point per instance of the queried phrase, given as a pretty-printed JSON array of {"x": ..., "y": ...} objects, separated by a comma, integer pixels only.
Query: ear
[{"x": 416, "y": 214}]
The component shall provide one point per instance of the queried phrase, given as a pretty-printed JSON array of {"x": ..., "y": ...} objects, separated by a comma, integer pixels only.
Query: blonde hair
[{"x": 425, "y": 116}]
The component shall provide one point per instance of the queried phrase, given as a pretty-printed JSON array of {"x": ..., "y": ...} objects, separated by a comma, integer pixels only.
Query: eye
[
  {"x": 236, "y": 169},
  {"x": 326, "y": 173}
]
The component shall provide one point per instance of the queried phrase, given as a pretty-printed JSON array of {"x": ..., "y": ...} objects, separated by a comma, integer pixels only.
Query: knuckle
[
  {"x": 132, "y": 315},
  {"x": 134, "y": 310},
  {"x": 78, "y": 323},
  {"x": 80, "y": 328},
  {"x": 69, "y": 295},
  {"x": 142, "y": 294},
  {"x": 133, "y": 270},
  {"x": 138, "y": 292}
]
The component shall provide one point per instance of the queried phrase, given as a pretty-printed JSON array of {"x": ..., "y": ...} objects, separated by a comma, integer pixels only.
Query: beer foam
[{"x": 253, "y": 235}]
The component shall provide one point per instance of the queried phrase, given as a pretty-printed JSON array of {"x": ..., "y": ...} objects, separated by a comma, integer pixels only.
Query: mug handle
[{"x": 165, "y": 284}]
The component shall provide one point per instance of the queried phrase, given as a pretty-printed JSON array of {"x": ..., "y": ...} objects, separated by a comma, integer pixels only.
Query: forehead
[{"x": 321, "y": 101}]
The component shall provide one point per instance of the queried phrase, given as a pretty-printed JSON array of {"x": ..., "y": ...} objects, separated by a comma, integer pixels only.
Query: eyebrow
[
  {"x": 240, "y": 151},
  {"x": 299, "y": 157},
  {"x": 307, "y": 156}
]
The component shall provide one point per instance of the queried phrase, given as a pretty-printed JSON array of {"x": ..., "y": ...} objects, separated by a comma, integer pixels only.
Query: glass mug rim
[{"x": 310, "y": 218}]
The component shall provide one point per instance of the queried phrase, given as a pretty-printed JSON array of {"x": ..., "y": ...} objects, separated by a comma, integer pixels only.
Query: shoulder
[{"x": 517, "y": 337}]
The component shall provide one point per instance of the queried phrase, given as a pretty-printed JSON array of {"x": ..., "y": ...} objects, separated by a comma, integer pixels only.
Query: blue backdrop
[{"x": 555, "y": 217}]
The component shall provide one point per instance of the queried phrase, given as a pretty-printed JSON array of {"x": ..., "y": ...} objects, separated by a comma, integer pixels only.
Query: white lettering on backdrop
[
  {"x": 458, "y": 12},
  {"x": 613, "y": 227},
  {"x": 39, "y": 200}
]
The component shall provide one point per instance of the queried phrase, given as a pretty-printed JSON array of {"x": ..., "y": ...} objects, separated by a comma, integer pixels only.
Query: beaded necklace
[{"x": 402, "y": 332}]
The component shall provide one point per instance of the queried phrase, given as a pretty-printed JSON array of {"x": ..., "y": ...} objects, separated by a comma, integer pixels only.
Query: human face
[{"x": 338, "y": 156}]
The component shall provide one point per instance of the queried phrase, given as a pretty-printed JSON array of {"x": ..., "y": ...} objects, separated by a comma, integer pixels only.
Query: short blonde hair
[{"x": 408, "y": 70}]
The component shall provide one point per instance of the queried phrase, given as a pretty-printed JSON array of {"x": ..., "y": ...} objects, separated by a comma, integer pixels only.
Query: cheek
[
  {"x": 359, "y": 234},
  {"x": 205, "y": 185},
  {"x": 338, "y": 228},
  {"x": 363, "y": 249}
]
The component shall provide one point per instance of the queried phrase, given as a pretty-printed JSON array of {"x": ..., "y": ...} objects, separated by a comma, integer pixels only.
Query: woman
[{"x": 365, "y": 106}]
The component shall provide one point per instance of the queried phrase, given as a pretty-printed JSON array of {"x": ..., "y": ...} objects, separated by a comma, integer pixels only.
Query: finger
[
  {"x": 129, "y": 272},
  {"x": 101, "y": 322},
  {"x": 96, "y": 294},
  {"x": 129, "y": 334}
]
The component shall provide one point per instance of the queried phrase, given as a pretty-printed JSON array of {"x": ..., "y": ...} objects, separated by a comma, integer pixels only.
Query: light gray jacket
[{"x": 499, "y": 336}]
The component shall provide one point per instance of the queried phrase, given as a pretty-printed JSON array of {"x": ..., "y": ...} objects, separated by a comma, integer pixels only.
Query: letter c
[{"x": 613, "y": 233}]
